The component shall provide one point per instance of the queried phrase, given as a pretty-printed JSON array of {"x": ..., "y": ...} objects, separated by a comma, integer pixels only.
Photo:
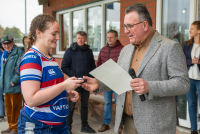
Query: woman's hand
[
  {"x": 195, "y": 60},
  {"x": 72, "y": 83},
  {"x": 73, "y": 95}
]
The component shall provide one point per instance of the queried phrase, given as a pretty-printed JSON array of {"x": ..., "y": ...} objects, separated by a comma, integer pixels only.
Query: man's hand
[
  {"x": 91, "y": 84},
  {"x": 73, "y": 95},
  {"x": 139, "y": 85}
]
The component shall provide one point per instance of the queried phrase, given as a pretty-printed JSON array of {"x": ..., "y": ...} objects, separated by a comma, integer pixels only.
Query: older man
[
  {"x": 161, "y": 69},
  {"x": 10, "y": 82}
]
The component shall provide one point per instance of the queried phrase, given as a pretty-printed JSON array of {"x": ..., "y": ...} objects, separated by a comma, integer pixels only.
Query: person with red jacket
[{"x": 110, "y": 51}]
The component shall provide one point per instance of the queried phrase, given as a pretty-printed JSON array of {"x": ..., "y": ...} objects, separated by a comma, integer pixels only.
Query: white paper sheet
[{"x": 113, "y": 76}]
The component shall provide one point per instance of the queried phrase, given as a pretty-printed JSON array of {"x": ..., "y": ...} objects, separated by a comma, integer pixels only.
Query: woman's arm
[{"x": 34, "y": 96}]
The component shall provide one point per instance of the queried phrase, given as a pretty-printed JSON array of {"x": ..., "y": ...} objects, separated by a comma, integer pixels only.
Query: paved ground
[
  {"x": 95, "y": 125},
  {"x": 3, "y": 125},
  {"x": 76, "y": 128}
]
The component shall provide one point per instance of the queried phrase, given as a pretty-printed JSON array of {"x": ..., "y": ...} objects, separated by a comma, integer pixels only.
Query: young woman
[
  {"x": 191, "y": 50},
  {"x": 42, "y": 82}
]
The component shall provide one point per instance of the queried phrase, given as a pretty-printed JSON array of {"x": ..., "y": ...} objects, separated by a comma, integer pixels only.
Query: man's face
[
  {"x": 111, "y": 39},
  {"x": 8, "y": 46},
  {"x": 136, "y": 33},
  {"x": 80, "y": 40}
]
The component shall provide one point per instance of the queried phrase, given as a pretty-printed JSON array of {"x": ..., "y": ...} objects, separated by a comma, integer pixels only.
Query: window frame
[{"x": 84, "y": 8}]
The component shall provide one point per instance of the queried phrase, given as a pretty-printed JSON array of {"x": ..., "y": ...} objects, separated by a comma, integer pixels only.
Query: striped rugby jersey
[{"x": 35, "y": 66}]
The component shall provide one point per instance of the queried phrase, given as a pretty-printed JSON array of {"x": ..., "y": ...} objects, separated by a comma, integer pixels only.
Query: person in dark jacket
[
  {"x": 10, "y": 82},
  {"x": 78, "y": 61},
  {"x": 110, "y": 51},
  {"x": 191, "y": 49}
]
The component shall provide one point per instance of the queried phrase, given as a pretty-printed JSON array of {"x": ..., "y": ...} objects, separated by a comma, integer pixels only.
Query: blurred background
[{"x": 16, "y": 17}]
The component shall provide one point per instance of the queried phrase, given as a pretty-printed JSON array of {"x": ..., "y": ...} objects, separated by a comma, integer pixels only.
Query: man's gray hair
[{"x": 142, "y": 11}]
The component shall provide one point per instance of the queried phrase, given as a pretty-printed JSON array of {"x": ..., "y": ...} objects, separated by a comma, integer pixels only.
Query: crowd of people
[{"x": 164, "y": 70}]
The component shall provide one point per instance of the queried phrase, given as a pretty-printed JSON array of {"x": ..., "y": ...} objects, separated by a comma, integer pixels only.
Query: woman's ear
[
  {"x": 198, "y": 31},
  {"x": 38, "y": 33}
]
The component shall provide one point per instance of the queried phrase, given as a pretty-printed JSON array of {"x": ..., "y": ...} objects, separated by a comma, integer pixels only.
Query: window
[
  {"x": 175, "y": 25},
  {"x": 175, "y": 20},
  {"x": 94, "y": 28},
  {"x": 64, "y": 19},
  {"x": 95, "y": 18},
  {"x": 77, "y": 23},
  {"x": 112, "y": 17}
]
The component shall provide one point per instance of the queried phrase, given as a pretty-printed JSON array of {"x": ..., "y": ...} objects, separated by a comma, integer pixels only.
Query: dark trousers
[{"x": 84, "y": 108}]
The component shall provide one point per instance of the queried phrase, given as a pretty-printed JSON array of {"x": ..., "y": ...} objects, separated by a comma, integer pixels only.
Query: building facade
[{"x": 172, "y": 18}]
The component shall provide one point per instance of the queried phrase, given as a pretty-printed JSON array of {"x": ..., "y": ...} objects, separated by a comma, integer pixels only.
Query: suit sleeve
[
  {"x": 66, "y": 63},
  {"x": 178, "y": 80}
]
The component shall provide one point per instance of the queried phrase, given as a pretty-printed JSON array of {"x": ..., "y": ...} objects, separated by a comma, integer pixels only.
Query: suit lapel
[
  {"x": 153, "y": 46},
  {"x": 129, "y": 56}
]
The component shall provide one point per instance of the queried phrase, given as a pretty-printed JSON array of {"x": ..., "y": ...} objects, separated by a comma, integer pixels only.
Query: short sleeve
[{"x": 30, "y": 67}]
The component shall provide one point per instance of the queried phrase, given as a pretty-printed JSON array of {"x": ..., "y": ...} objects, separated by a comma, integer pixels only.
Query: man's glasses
[{"x": 129, "y": 26}]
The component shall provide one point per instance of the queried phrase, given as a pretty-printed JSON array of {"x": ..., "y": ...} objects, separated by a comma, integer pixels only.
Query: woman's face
[
  {"x": 194, "y": 31},
  {"x": 25, "y": 41},
  {"x": 50, "y": 36}
]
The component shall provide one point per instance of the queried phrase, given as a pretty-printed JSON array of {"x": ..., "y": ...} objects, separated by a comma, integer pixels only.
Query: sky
[{"x": 12, "y": 13}]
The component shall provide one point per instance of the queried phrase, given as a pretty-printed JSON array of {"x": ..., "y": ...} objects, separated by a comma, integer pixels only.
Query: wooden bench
[{"x": 96, "y": 100}]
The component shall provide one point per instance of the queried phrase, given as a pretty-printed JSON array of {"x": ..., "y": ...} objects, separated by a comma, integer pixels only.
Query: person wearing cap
[{"x": 10, "y": 82}]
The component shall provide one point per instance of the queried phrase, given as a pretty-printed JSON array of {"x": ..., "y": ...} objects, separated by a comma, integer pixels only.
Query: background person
[
  {"x": 1, "y": 90},
  {"x": 162, "y": 74},
  {"x": 191, "y": 49},
  {"x": 42, "y": 82},
  {"x": 110, "y": 51},
  {"x": 10, "y": 82},
  {"x": 25, "y": 42},
  {"x": 78, "y": 61}
]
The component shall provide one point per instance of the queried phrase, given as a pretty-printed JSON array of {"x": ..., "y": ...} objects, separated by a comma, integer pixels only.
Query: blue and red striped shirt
[{"x": 35, "y": 66}]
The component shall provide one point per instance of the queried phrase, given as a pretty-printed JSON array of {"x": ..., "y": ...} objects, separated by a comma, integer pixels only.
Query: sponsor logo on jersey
[
  {"x": 51, "y": 72},
  {"x": 60, "y": 107},
  {"x": 30, "y": 56}
]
